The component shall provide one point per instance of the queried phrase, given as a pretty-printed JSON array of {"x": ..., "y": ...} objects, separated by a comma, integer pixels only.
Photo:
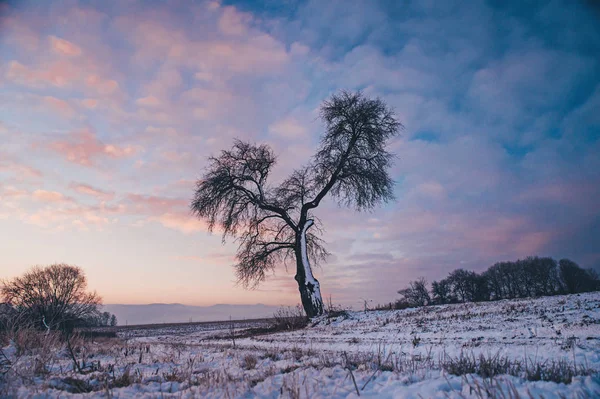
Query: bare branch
[{"x": 352, "y": 162}]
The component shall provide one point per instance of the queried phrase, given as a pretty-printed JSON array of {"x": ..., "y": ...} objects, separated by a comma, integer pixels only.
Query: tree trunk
[{"x": 310, "y": 290}]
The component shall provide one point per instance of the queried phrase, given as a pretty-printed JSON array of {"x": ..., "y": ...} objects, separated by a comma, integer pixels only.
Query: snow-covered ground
[{"x": 413, "y": 353}]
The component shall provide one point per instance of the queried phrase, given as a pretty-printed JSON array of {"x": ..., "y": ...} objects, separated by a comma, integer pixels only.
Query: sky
[{"x": 109, "y": 110}]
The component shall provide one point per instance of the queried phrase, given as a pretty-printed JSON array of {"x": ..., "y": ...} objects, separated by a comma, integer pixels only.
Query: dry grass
[
  {"x": 559, "y": 371},
  {"x": 288, "y": 319}
]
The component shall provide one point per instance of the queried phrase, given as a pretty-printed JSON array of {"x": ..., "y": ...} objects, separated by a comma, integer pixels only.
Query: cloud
[
  {"x": 288, "y": 128},
  {"x": 234, "y": 23},
  {"x": 253, "y": 52},
  {"x": 172, "y": 213},
  {"x": 11, "y": 192},
  {"x": 101, "y": 85},
  {"x": 60, "y": 219},
  {"x": 182, "y": 222},
  {"x": 149, "y": 101},
  {"x": 152, "y": 204},
  {"x": 19, "y": 169},
  {"x": 64, "y": 47},
  {"x": 90, "y": 103},
  {"x": 58, "y": 74},
  {"x": 61, "y": 106},
  {"x": 86, "y": 189},
  {"x": 49, "y": 196},
  {"x": 83, "y": 148}
]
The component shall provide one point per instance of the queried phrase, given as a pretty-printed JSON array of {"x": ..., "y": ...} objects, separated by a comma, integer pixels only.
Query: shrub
[
  {"x": 249, "y": 362},
  {"x": 52, "y": 297}
]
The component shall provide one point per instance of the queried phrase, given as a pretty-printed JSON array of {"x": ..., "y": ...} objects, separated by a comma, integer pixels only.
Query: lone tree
[
  {"x": 52, "y": 297},
  {"x": 276, "y": 225}
]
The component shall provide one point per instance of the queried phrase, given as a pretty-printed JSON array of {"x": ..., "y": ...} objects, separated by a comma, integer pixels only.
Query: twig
[
  {"x": 369, "y": 380},
  {"x": 351, "y": 375},
  {"x": 73, "y": 355}
]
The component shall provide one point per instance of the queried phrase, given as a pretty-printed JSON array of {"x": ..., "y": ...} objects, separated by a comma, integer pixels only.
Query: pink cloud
[
  {"x": 210, "y": 259},
  {"x": 165, "y": 82},
  {"x": 17, "y": 31},
  {"x": 64, "y": 47},
  {"x": 288, "y": 128},
  {"x": 178, "y": 157},
  {"x": 101, "y": 85},
  {"x": 63, "y": 107},
  {"x": 19, "y": 169},
  {"x": 83, "y": 147},
  {"x": 60, "y": 219},
  {"x": 150, "y": 204},
  {"x": 149, "y": 101},
  {"x": 182, "y": 222},
  {"x": 49, "y": 196},
  {"x": 57, "y": 74},
  {"x": 170, "y": 212},
  {"x": 431, "y": 189},
  {"x": 241, "y": 49},
  {"x": 92, "y": 191},
  {"x": 233, "y": 22},
  {"x": 10, "y": 191},
  {"x": 90, "y": 103}
]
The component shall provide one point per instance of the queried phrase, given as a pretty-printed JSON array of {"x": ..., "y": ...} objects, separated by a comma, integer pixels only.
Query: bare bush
[
  {"x": 52, "y": 297},
  {"x": 249, "y": 362}
]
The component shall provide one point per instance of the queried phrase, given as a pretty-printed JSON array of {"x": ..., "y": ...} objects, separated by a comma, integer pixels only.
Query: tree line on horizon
[{"x": 530, "y": 277}]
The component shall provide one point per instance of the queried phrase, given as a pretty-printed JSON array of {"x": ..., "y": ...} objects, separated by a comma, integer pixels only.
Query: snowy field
[{"x": 548, "y": 347}]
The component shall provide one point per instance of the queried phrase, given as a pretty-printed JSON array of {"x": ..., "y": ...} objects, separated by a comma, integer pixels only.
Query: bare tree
[
  {"x": 275, "y": 225},
  {"x": 442, "y": 292},
  {"x": 52, "y": 297},
  {"x": 416, "y": 294}
]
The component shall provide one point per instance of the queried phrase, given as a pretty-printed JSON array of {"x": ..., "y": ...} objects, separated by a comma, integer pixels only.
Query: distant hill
[{"x": 178, "y": 313}]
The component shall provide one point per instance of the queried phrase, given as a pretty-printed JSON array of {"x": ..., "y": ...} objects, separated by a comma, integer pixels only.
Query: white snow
[
  {"x": 389, "y": 354},
  {"x": 310, "y": 278}
]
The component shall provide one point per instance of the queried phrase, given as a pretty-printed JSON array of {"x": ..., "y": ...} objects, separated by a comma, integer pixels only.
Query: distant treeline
[{"x": 530, "y": 277}]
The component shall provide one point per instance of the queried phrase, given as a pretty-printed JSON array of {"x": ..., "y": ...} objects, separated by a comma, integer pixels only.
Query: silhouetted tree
[
  {"x": 276, "y": 224},
  {"x": 496, "y": 281},
  {"x": 544, "y": 276},
  {"x": 574, "y": 279},
  {"x": 530, "y": 277},
  {"x": 101, "y": 319},
  {"x": 52, "y": 297},
  {"x": 416, "y": 294},
  {"x": 461, "y": 287},
  {"x": 442, "y": 292}
]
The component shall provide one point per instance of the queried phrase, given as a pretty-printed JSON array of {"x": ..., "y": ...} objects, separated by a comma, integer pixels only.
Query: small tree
[
  {"x": 275, "y": 225},
  {"x": 52, "y": 297}
]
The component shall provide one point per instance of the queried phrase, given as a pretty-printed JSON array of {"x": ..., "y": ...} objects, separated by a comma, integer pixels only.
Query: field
[{"x": 547, "y": 347}]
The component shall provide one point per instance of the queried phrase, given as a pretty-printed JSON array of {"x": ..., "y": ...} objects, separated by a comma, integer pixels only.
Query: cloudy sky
[{"x": 109, "y": 109}]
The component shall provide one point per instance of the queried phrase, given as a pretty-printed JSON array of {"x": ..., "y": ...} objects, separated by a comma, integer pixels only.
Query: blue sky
[{"x": 109, "y": 110}]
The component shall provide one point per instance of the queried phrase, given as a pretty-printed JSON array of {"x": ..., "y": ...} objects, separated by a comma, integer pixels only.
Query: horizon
[{"x": 110, "y": 110}]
